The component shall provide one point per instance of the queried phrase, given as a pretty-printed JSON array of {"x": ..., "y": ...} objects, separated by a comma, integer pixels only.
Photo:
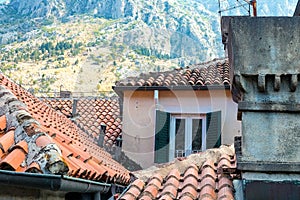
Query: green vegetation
[
  {"x": 42, "y": 52},
  {"x": 150, "y": 52},
  {"x": 9, "y": 68},
  {"x": 84, "y": 54}
]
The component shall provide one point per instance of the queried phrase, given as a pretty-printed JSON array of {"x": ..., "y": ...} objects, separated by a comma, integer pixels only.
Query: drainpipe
[
  {"x": 156, "y": 94},
  {"x": 97, "y": 196},
  {"x": 238, "y": 187}
]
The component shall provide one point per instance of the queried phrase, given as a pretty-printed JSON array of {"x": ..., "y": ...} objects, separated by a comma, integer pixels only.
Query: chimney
[
  {"x": 264, "y": 53},
  {"x": 101, "y": 135}
]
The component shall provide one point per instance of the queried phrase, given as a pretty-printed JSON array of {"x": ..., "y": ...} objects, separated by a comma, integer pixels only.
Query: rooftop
[
  {"x": 213, "y": 73},
  {"x": 207, "y": 175},
  {"x": 89, "y": 113},
  {"x": 36, "y": 138}
]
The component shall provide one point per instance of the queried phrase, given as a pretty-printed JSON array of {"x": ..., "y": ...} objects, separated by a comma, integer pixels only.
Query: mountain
[
  {"x": 180, "y": 29},
  {"x": 86, "y": 45}
]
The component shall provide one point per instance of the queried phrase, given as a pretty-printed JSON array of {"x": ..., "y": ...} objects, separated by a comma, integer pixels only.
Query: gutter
[
  {"x": 52, "y": 182},
  {"x": 119, "y": 89}
]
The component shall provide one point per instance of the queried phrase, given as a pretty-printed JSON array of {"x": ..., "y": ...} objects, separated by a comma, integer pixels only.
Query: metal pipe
[
  {"x": 254, "y": 8},
  {"x": 97, "y": 196},
  {"x": 156, "y": 94},
  {"x": 52, "y": 182}
]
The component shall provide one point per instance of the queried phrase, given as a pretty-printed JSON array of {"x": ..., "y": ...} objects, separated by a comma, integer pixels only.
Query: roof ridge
[
  {"x": 28, "y": 129},
  {"x": 208, "y": 63}
]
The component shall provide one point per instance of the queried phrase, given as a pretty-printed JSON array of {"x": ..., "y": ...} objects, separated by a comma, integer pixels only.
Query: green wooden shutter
[
  {"x": 162, "y": 137},
  {"x": 213, "y": 129}
]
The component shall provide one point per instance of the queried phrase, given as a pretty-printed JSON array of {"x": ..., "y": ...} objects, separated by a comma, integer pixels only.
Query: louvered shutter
[
  {"x": 213, "y": 129},
  {"x": 162, "y": 137}
]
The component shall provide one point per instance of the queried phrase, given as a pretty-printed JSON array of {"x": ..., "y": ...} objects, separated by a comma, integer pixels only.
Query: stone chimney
[{"x": 264, "y": 53}]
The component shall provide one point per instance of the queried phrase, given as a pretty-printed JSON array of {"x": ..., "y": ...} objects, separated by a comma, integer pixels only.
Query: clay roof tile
[
  {"x": 76, "y": 146},
  {"x": 13, "y": 160},
  {"x": 7, "y": 140},
  {"x": 201, "y": 74},
  {"x": 189, "y": 181},
  {"x": 2, "y": 123}
]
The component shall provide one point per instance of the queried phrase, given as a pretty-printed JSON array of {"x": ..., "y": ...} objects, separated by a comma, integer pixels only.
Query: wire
[
  {"x": 236, "y": 6},
  {"x": 219, "y": 7},
  {"x": 233, "y": 7},
  {"x": 243, "y": 5}
]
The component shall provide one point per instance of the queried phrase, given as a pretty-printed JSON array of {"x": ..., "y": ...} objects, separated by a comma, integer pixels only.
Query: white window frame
[{"x": 188, "y": 132}]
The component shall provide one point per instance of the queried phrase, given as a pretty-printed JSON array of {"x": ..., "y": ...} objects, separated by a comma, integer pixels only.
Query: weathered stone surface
[
  {"x": 264, "y": 53},
  {"x": 272, "y": 137},
  {"x": 273, "y": 96},
  {"x": 264, "y": 45}
]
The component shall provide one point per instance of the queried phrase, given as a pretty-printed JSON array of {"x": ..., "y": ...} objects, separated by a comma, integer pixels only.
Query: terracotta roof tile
[
  {"x": 215, "y": 72},
  {"x": 165, "y": 197},
  {"x": 7, "y": 140},
  {"x": 128, "y": 196},
  {"x": 34, "y": 168},
  {"x": 36, "y": 138},
  {"x": 170, "y": 190},
  {"x": 151, "y": 190},
  {"x": 224, "y": 181},
  {"x": 134, "y": 191},
  {"x": 186, "y": 197},
  {"x": 194, "y": 177},
  {"x": 225, "y": 193},
  {"x": 207, "y": 181},
  {"x": 90, "y": 114},
  {"x": 13, "y": 160},
  {"x": 2, "y": 123},
  {"x": 21, "y": 145}
]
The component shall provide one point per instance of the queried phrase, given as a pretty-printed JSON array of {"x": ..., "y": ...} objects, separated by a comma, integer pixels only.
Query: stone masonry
[{"x": 264, "y": 54}]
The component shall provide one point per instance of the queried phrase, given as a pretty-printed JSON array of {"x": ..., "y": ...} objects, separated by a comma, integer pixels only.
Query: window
[
  {"x": 187, "y": 135},
  {"x": 180, "y": 135}
]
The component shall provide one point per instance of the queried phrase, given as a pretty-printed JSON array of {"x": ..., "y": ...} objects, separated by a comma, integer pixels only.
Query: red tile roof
[
  {"x": 90, "y": 114},
  {"x": 36, "y": 138},
  {"x": 215, "y": 72},
  {"x": 206, "y": 175}
]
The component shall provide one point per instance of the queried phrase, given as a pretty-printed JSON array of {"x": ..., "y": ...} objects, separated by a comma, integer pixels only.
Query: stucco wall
[
  {"x": 139, "y": 117},
  {"x": 18, "y": 193}
]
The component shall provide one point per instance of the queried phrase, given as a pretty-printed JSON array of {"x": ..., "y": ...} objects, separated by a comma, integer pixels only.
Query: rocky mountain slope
[{"x": 86, "y": 45}]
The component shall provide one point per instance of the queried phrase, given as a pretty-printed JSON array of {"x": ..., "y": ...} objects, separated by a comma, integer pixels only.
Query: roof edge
[{"x": 167, "y": 88}]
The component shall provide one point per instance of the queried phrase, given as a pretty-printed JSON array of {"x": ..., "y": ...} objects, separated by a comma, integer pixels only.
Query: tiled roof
[
  {"x": 207, "y": 175},
  {"x": 215, "y": 72},
  {"x": 36, "y": 138},
  {"x": 90, "y": 114}
]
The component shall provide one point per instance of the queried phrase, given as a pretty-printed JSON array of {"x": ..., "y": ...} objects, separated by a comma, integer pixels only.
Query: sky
[{"x": 264, "y": 7}]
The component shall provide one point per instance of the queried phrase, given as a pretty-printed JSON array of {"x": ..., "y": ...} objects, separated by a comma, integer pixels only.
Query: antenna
[{"x": 246, "y": 4}]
